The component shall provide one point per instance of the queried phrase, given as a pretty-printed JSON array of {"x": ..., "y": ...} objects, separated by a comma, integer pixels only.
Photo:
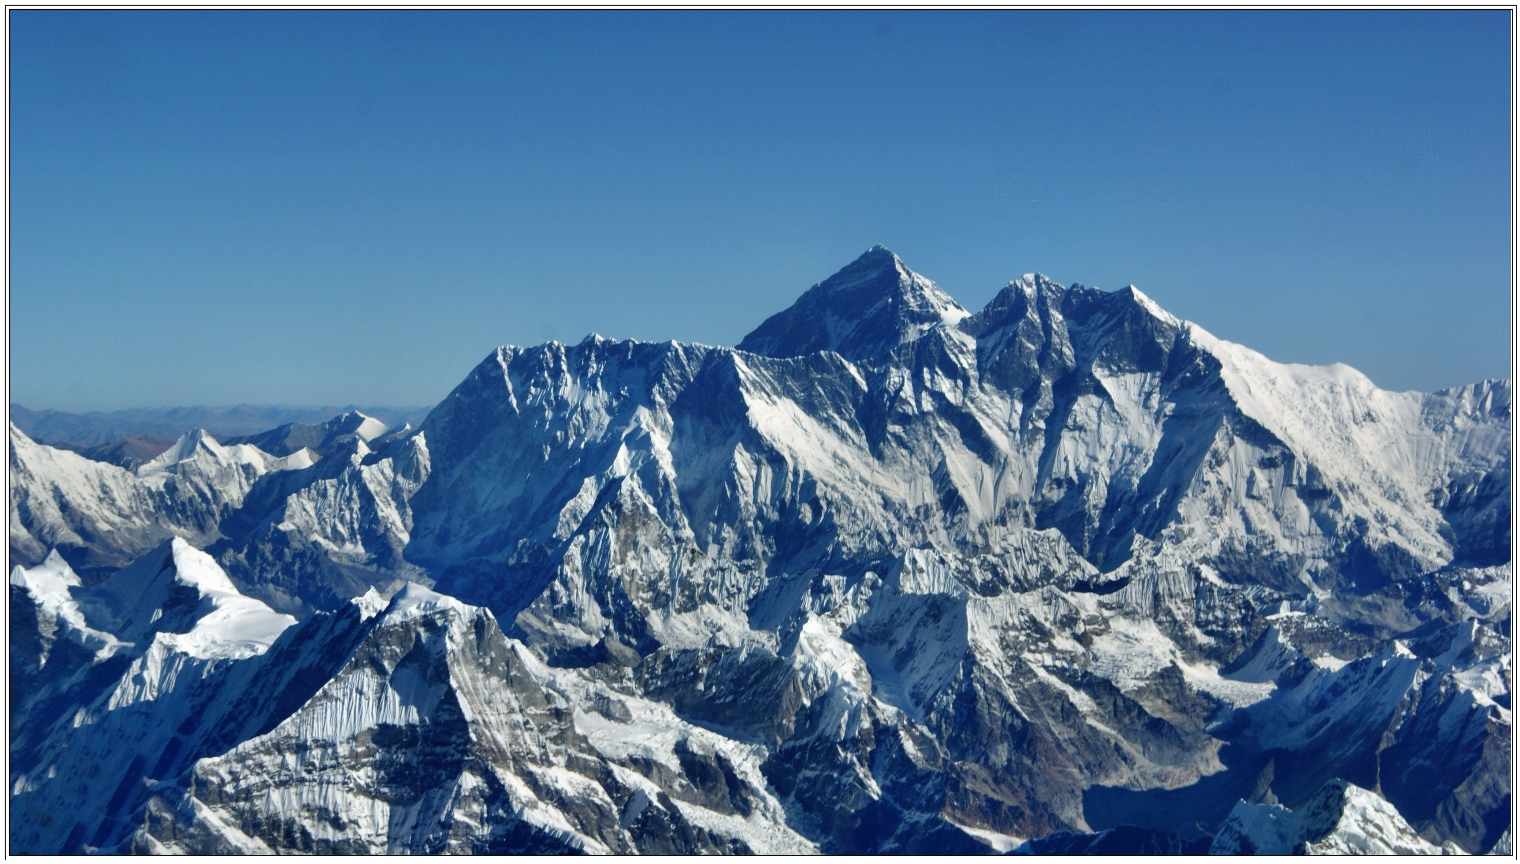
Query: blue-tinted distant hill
[{"x": 102, "y": 427}]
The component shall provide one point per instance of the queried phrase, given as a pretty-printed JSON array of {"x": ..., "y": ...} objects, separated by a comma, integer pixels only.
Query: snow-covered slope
[
  {"x": 404, "y": 726},
  {"x": 131, "y": 661},
  {"x": 459, "y": 742},
  {"x": 927, "y": 581},
  {"x": 180, "y": 590},
  {"x": 312, "y": 538},
  {"x": 111, "y": 515},
  {"x": 1341, "y": 819},
  {"x": 1424, "y": 721}
]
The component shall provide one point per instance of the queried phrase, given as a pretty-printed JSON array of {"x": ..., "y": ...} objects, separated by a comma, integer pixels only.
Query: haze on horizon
[{"x": 213, "y": 208}]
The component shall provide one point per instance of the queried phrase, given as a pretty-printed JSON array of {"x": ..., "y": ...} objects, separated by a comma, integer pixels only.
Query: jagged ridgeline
[{"x": 1066, "y": 575}]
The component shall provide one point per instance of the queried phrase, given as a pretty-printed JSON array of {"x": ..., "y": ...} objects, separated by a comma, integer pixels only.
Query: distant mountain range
[
  {"x": 96, "y": 428},
  {"x": 1062, "y": 575}
]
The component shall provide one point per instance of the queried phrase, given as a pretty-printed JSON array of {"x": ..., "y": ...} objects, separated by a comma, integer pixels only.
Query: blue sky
[{"x": 335, "y": 207}]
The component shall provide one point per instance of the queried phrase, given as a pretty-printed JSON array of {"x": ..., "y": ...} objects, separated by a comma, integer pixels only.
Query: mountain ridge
[
  {"x": 97, "y": 428},
  {"x": 949, "y": 576}
]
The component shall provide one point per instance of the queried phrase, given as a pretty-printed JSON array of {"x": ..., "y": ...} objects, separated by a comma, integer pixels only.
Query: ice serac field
[{"x": 1066, "y": 574}]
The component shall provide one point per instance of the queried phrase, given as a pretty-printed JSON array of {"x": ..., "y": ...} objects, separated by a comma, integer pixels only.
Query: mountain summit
[
  {"x": 862, "y": 312},
  {"x": 887, "y": 578}
]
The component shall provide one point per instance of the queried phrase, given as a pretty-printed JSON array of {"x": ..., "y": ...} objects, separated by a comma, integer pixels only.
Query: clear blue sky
[{"x": 336, "y": 207}]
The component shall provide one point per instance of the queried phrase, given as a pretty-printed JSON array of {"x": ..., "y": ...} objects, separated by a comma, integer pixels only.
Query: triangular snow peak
[
  {"x": 179, "y": 590},
  {"x": 863, "y": 311}
]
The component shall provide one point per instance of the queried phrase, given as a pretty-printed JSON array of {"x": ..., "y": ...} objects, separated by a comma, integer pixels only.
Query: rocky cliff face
[
  {"x": 887, "y": 577},
  {"x": 408, "y": 725}
]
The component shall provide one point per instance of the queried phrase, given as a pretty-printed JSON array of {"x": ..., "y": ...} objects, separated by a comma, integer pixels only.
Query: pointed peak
[
  {"x": 186, "y": 447},
  {"x": 878, "y": 253},
  {"x": 1139, "y": 298},
  {"x": 196, "y": 568},
  {"x": 876, "y": 260},
  {"x": 174, "y": 560},
  {"x": 869, "y": 307},
  {"x": 1127, "y": 308},
  {"x": 1014, "y": 302},
  {"x": 354, "y": 423},
  {"x": 52, "y": 578},
  {"x": 146, "y": 601},
  {"x": 303, "y": 458},
  {"x": 370, "y": 604},
  {"x": 54, "y": 561}
]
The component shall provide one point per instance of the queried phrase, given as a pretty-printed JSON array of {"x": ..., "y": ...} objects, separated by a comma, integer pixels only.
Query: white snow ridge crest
[{"x": 1066, "y": 575}]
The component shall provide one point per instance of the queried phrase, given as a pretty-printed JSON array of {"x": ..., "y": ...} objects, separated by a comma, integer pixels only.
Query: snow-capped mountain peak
[
  {"x": 886, "y": 578},
  {"x": 370, "y": 604},
  {"x": 416, "y": 600},
  {"x": 862, "y": 312},
  {"x": 52, "y": 587},
  {"x": 1341, "y": 819},
  {"x": 354, "y": 423},
  {"x": 192, "y": 444},
  {"x": 180, "y": 590},
  {"x": 198, "y": 454},
  {"x": 52, "y": 578},
  {"x": 320, "y": 439},
  {"x": 1151, "y": 306}
]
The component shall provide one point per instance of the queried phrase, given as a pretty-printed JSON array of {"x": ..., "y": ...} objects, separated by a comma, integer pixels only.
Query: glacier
[{"x": 888, "y": 576}]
